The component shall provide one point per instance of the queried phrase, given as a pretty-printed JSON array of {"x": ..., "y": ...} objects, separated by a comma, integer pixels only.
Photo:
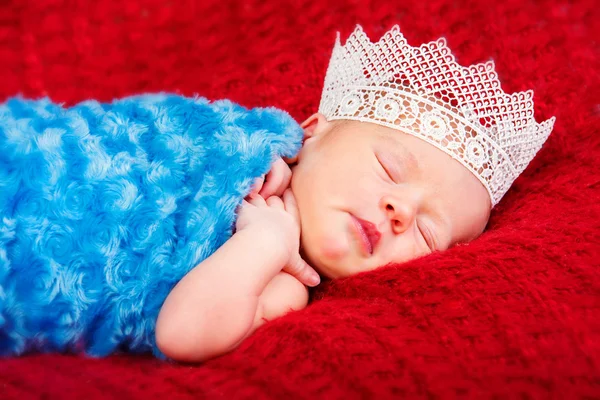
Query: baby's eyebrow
[{"x": 401, "y": 153}]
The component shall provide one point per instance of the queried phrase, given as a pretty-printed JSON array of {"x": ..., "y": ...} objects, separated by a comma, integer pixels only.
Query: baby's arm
[
  {"x": 227, "y": 296},
  {"x": 284, "y": 293},
  {"x": 224, "y": 299}
]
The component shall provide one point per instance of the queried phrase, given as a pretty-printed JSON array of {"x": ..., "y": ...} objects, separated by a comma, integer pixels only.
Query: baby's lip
[{"x": 369, "y": 232}]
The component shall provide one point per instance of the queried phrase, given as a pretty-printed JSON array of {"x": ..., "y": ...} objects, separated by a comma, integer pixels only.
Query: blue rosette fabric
[{"x": 104, "y": 207}]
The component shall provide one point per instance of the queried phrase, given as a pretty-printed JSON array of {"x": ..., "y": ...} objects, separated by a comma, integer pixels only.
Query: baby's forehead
[{"x": 381, "y": 135}]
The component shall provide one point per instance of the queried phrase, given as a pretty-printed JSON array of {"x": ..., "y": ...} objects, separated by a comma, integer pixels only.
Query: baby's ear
[{"x": 312, "y": 126}]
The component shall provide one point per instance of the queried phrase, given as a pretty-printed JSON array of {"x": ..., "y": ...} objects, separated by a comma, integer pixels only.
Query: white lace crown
[{"x": 424, "y": 92}]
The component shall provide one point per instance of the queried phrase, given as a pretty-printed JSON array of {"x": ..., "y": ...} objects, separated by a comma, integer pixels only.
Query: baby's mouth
[{"x": 368, "y": 233}]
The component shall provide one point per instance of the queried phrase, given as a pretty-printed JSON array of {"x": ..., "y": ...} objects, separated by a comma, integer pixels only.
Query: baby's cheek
[
  {"x": 326, "y": 245},
  {"x": 334, "y": 248}
]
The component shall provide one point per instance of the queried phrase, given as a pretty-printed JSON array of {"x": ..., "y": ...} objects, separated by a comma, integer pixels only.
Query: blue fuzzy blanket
[{"x": 105, "y": 207}]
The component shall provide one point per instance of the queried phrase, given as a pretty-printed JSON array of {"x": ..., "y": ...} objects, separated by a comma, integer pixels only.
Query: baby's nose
[{"x": 400, "y": 212}]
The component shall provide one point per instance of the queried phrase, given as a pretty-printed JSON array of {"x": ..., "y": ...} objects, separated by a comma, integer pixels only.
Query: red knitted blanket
[{"x": 512, "y": 314}]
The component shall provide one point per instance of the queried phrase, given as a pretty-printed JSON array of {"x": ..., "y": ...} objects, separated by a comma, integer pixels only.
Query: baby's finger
[
  {"x": 285, "y": 181},
  {"x": 290, "y": 160},
  {"x": 275, "y": 202},
  {"x": 258, "y": 184},
  {"x": 302, "y": 271},
  {"x": 290, "y": 204},
  {"x": 256, "y": 200},
  {"x": 274, "y": 178},
  {"x": 241, "y": 209}
]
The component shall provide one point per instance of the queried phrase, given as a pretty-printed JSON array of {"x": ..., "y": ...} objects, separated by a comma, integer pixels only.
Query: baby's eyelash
[
  {"x": 425, "y": 237},
  {"x": 385, "y": 169}
]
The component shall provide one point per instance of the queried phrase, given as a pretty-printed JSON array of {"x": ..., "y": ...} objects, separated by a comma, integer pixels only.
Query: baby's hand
[
  {"x": 278, "y": 221},
  {"x": 277, "y": 180}
]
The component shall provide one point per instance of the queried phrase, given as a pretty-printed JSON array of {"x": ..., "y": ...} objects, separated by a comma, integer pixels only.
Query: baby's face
[{"x": 369, "y": 195}]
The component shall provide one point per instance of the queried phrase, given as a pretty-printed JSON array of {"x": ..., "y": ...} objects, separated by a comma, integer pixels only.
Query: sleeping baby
[{"x": 407, "y": 155}]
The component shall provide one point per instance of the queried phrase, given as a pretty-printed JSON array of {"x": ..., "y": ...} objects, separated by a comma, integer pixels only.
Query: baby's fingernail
[{"x": 314, "y": 279}]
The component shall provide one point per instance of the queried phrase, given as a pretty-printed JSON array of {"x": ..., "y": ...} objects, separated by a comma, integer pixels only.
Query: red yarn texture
[{"x": 513, "y": 314}]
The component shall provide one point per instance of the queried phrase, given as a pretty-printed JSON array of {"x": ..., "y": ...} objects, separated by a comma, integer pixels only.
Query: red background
[{"x": 513, "y": 314}]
